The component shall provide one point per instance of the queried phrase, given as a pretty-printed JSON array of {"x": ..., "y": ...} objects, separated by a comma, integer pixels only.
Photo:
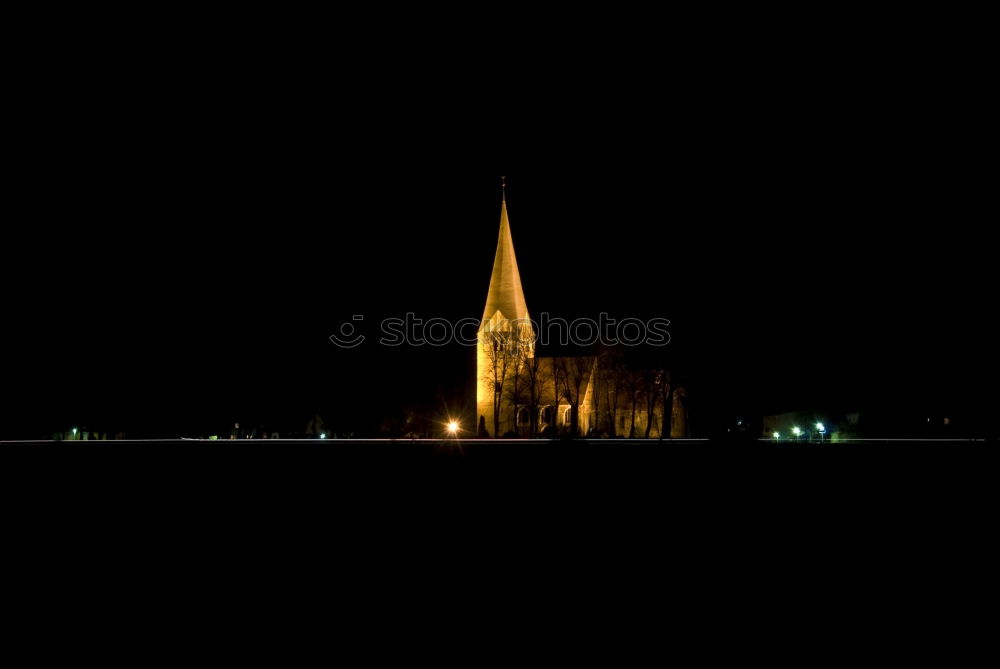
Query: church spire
[{"x": 506, "y": 294}]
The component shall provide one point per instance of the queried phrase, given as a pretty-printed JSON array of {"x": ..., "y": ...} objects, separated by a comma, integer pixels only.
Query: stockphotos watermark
[{"x": 413, "y": 331}]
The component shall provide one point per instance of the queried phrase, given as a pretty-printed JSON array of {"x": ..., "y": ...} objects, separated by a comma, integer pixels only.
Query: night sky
[
  {"x": 193, "y": 206},
  {"x": 171, "y": 289}
]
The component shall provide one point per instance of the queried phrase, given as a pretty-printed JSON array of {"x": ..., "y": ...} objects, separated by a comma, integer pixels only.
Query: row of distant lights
[
  {"x": 453, "y": 428},
  {"x": 797, "y": 431}
]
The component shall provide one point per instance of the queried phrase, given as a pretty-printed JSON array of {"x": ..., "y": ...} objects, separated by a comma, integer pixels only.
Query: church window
[
  {"x": 547, "y": 414},
  {"x": 523, "y": 417}
]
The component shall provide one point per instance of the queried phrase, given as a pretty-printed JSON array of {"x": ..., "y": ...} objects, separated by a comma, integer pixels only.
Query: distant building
[{"x": 524, "y": 395}]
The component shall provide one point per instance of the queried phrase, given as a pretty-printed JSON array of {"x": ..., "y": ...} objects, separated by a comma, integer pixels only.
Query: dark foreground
[
  {"x": 568, "y": 452},
  {"x": 628, "y": 466},
  {"x": 471, "y": 505}
]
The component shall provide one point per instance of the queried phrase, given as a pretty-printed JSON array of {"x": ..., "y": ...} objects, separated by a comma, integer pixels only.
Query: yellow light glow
[{"x": 453, "y": 427}]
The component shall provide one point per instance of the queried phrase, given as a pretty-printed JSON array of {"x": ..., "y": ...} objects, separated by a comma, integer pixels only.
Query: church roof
[{"x": 506, "y": 294}]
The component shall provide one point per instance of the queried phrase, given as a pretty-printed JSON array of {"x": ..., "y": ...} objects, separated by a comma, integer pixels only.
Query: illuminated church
[{"x": 519, "y": 393}]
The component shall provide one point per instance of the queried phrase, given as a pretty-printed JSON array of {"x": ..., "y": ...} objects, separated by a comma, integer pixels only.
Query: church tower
[{"x": 506, "y": 336}]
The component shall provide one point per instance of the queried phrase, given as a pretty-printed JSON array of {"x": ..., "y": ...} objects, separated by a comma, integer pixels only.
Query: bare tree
[
  {"x": 533, "y": 389},
  {"x": 576, "y": 376},
  {"x": 518, "y": 381},
  {"x": 667, "y": 395},
  {"x": 558, "y": 390},
  {"x": 632, "y": 381},
  {"x": 651, "y": 390},
  {"x": 500, "y": 350},
  {"x": 680, "y": 401},
  {"x": 609, "y": 385}
]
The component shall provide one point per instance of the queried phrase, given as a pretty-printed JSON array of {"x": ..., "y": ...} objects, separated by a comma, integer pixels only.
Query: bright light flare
[
  {"x": 453, "y": 427},
  {"x": 797, "y": 431}
]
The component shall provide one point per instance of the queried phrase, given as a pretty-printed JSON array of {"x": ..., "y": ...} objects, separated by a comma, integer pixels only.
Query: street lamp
[
  {"x": 777, "y": 436},
  {"x": 797, "y": 431},
  {"x": 822, "y": 431},
  {"x": 453, "y": 427}
]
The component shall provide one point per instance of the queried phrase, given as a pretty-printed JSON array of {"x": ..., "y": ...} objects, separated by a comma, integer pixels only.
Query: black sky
[{"x": 177, "y": 283}]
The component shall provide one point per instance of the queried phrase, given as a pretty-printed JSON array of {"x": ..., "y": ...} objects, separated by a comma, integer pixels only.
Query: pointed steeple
[{"x": 506, "y": 294}]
